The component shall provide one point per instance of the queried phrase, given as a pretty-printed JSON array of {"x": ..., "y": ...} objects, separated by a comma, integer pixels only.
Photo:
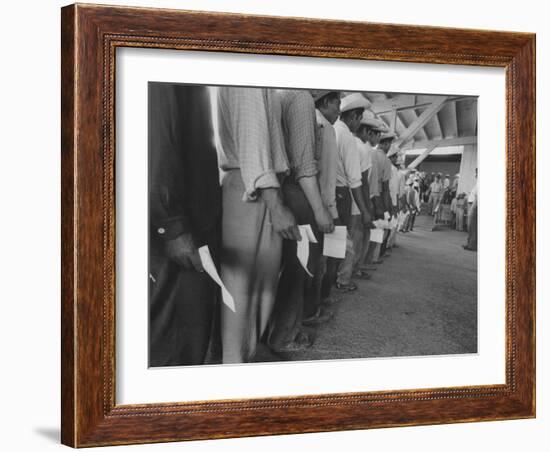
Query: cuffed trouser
[
  {"x": 250, "y": 265},
  {"x": 343, "y": 205},
  {"x": 181, "y": 309},
  {"x": 295, "y": 285}
]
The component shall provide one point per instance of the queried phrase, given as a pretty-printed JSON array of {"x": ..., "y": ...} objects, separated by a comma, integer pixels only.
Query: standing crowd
[{"x": 239, "y": 170}]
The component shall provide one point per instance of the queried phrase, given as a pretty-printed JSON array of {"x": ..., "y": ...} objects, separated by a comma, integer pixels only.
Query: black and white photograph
[{"x": 310, "y": 224}]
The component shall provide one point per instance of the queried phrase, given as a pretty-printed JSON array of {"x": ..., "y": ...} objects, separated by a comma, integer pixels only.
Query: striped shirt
[
  {"x": 298, "y": 120},
  {"x": 250, "y": 137}
]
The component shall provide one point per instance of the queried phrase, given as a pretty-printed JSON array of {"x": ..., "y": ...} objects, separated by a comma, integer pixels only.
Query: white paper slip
[
  {"x": 302, "y": 250},
  {"x": 381, "y": 224},
  {"x": 377, "y": 235},
  {"x": 210, "y": 268},
  {"x": 335, "y": 243},
  {"x": 308, "y": 231}
]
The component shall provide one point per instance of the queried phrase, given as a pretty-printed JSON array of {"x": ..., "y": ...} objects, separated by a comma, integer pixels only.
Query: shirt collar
[
  {"x": 321, "y": 118},
  {"x": 342, "y": 124}
]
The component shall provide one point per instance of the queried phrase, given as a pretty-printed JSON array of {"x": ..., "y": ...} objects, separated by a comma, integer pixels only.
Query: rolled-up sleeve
[
  {"x": 298, "y": 117},
  {"x": 352, "y": 162},
  {"x": 244, "y": 113}
]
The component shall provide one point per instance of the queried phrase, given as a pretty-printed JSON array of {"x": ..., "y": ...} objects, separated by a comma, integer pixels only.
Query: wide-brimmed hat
[
  {"x": 353, "y": 101},
  {"x": 320, "y": 93},
  {"x": 370, "y": 119},
  {"x": 388, "y": 135}
]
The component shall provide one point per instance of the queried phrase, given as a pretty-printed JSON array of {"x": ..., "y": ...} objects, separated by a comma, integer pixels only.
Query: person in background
[
  {"x": 436, "y": 192},
  {"x": 460, "y": 211},
  {"x": 349, "y": 179},
  {"x": 471, "y": 244},
  {"x": 255, "y": 218},
  {"x": 184, "y": 214},
  {"x": 302, "y": 196},
  {"x": 456, "y": 180},
  {"x": 447, "y": 182},
  {"x": 413, "y": 201},
  {"x": 453, "y": 210}
]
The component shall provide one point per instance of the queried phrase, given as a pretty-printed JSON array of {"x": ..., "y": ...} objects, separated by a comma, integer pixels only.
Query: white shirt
[
  {"x": 348, "y": 168},
  {"x": 365, "y": 155}
]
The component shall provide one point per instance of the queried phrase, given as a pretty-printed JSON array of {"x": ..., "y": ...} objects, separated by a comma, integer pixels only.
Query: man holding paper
[
  {"x": 349, "y": 178},
  {"x": 184, "y": 212},
  {"x": 302, "y": 195},
  {"x": 327, "y": 111},
  {"x": 368, "y": 134},
  {"x": 255, "y": 217}
]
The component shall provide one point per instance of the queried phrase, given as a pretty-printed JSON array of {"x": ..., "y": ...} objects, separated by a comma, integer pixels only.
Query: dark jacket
[{"x": 184, "y": 189}]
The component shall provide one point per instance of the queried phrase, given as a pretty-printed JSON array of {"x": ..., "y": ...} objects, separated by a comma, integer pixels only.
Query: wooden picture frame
[{"x": 90, "y": 36}]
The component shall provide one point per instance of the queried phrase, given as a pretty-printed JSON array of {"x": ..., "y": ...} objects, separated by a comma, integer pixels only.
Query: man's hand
[
  {"x": 323, "y": 218},
  {"x": 183, "y": 251},
  {"x": 284, "y": 223},
  {"x": 366, "y": 218},
  {"x": 282, "y": 220}
]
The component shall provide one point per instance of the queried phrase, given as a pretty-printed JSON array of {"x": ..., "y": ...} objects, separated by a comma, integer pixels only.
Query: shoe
[
  {"x": 346, "y": 287},
  {"x": 361, "y": 274},
  {"x": 301, "y": 342},
  {"x": 329, "y": 301},
  {"x": 320, "y": 317},
  {"x": 466, "y": 247},
  {"x": 379, "y": 261}
]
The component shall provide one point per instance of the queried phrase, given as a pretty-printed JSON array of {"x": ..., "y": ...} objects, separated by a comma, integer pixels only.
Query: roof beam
[
  {"x": 448, "y": 142},
  {"x": 381, "y": 111},
  {"x": 419, "y": 122},
  {"x": 418, "y": 160}
]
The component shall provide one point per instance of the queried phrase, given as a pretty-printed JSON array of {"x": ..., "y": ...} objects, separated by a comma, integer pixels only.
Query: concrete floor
[{"x": 422, "y": 300}]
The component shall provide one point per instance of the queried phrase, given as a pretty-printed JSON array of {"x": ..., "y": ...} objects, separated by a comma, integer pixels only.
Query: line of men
[{"x": 286, "y": 158}]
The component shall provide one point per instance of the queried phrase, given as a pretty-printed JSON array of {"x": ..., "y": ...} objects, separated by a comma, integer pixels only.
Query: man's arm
[
  {"x": 386, "y": 196},
  {"x": 359, "y": 199},
  {"x": 169, "y": 220},
  {"x": 366, "y": 191},
  {"x": 352, "y": 168},
  {"x": 282, "y": 219},
  {"x": 323, "y": 218},
  {"x": 299, "y": 124}
]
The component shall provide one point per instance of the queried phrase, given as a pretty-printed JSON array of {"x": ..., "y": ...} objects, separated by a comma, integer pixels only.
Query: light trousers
[{"x": 250, "y": 266}]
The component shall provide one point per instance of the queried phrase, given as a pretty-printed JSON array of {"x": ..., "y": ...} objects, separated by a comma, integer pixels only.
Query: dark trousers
[
  {"x": 295, "y": 286},
  {"x": 181, "y": 309},
  {"x": 343, "y": 206},
  {"x": 472, "y": 227},
  {"x": 410, "y": 220}
]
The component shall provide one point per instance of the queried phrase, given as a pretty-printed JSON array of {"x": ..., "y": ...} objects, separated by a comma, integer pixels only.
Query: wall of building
[{"x": 468, "y": 166}]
